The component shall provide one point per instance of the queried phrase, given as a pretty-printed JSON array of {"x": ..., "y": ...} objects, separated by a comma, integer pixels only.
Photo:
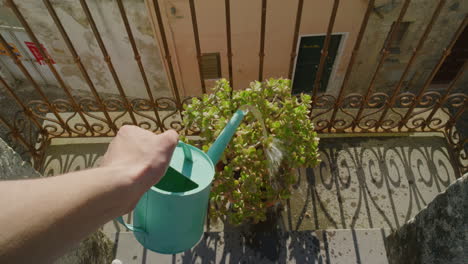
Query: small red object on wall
[{"x": 37, "y": 54}]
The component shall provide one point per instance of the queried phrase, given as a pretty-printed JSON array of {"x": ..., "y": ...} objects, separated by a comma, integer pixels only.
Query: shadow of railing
[
  {"x": 333, "y": 246},
  {"x": 61, "y": 159},
  {"x": 300, "y": 247},
  {"x": 360, "y": 183},
  {"x": 370, "y": 182}
]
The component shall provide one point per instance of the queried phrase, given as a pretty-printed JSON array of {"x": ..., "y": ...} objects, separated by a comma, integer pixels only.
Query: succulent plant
[{"x": 257, "y": 168}]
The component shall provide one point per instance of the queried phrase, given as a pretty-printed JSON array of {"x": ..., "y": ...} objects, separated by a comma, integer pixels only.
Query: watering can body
[
  {"x": 169, "y": 218},
  {"x": 171, "y": 224}
]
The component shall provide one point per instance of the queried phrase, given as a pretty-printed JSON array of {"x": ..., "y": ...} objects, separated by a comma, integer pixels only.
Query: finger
[
  {"x": 165, "y": 145},
  {"x": 172, "y": 137},
  {"x": 167, "y": 141}
]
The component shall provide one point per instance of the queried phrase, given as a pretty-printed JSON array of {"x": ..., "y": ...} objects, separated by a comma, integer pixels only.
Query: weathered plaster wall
[
  {"x": 245, "y": 27},
  {"x": 110, "y": 25},
  {"x": 280, "y": 19},
  {"x": 419, "y": 13}
]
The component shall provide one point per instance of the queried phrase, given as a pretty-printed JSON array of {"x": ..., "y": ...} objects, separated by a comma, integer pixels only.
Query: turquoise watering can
[{"x": 170, "y": 216}]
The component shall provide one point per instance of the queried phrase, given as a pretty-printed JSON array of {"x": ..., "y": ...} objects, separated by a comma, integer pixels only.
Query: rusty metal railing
[{"x": 98, "y": 116}]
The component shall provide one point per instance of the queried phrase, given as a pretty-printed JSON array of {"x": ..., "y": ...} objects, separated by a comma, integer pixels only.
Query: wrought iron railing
[{"x": 97, "y": 116}]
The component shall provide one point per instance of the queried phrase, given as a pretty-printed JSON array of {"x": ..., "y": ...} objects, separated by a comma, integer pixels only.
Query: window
[
  {"x": 394, "y": 47},
  {"x": 211, "y": 66},
  {"x": 454, "y": 62}
]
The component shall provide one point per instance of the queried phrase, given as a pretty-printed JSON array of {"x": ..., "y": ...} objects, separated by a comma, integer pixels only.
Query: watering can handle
[
  {"x": 131, "y": 227},
  {"x": 188, "y": 156},
  {"x": 187, "y": 151}
]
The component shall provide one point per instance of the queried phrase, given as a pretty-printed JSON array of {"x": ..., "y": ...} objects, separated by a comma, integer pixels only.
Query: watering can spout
[{"x": 223, "y": 139}]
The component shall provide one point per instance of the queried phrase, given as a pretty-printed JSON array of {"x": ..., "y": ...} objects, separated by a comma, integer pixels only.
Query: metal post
[
  {"x": 324, "y": 56},
  {"x": 26, "y": 109},
  {"x": 262, "y": 41},
  {"x": 339, "y": 99},
  {"x": 26, "y": 55},
  {"x": 300, "y": 4},
  {"x": 49, "y": 63},
  {"x": 442, "y": 100},
  {"x": 107, "y": 58},
  {"x": 16, "y": 134},
  {"x": 38, "y": 89},
  {"x": 228, "y": 40},
  {"x": 167, "y": 53},
  {"x": 78, "y": 62},
  {"x": 197, "y": 43},
  {"x": 384, "y": 54},
  {"x": 452, "y": 121},
  {"x": 140, "y": 64},
  {"x": 433, "y": 73},
  {"x": 419, "y": 46}
]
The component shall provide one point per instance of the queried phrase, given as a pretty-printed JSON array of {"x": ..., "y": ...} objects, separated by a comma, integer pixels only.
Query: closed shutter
[{"x": 211, "y": 68}]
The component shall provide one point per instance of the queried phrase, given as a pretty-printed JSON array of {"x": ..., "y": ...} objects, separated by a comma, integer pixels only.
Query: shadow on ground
[
  {"x": 262, "y": 246},
  {"x": 364, "y": 185},
  {"x": 299, "y": 246},
  {"x": 361, "y": 182},
  {"x": 370, "y": 182},
  {"x": 61, "y": 159}
]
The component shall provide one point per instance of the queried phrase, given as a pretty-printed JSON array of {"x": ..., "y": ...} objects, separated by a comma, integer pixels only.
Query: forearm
[
  {"x": 44, "y": 217},
  {"x": 41, "y": 218}
]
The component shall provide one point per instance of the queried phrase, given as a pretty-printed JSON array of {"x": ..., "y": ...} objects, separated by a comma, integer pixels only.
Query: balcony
[{"x": 391, "y": 140}]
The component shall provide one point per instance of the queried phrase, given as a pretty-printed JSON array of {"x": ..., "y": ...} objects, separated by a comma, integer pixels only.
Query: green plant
[{"x": 245, "y": 185}]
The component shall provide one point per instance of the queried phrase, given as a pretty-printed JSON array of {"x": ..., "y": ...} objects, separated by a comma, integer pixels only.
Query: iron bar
[
  {"x": 107, "y": 59},
  {"x": 228, "y": 40},
  {"x": 26, "y": 54},
  {"x": 453, "y": 120},
  {"x": 262, "y": 41},
  {"x": 26, "y": 109},
  {"x": 384, "y": 54},
  {"x": 361, "y": 102},
  {"x": 7, "y": 69},
  {"x": 354, "y": 54},
  {"x": 447, "y": 92},
  {"x": 445, "y": 54},
  {"x": 38, "y": 89},
  {"x": 324, "y": 55},
  {"x": 419, "y": 46},
  {"x": 138, "y": 60},
  {"x": 17, "y": 135},
  {"x": 197, "y": 43},
  {"x": 167, "y": 53},
  {"x": 300, "y": 4},
  {"x": 78, "y": 62},
  {"x": 47, "y": 58}
]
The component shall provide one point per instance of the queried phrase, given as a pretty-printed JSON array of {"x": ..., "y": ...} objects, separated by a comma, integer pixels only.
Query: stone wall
[
  {"x": 12, "y": 167},
  {"x": 438, "y": 234}
]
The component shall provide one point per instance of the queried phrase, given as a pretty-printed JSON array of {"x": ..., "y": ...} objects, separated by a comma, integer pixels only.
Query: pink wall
[{"x": 245, "y": 28}]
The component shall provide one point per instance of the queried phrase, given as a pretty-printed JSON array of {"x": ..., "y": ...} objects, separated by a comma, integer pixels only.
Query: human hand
[
  {"x": 142, "y": 159},
  {"x": 80, "y": 201}
]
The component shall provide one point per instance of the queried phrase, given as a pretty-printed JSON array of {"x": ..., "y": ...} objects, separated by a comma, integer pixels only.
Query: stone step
[{"x": 329, "y": 246}]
